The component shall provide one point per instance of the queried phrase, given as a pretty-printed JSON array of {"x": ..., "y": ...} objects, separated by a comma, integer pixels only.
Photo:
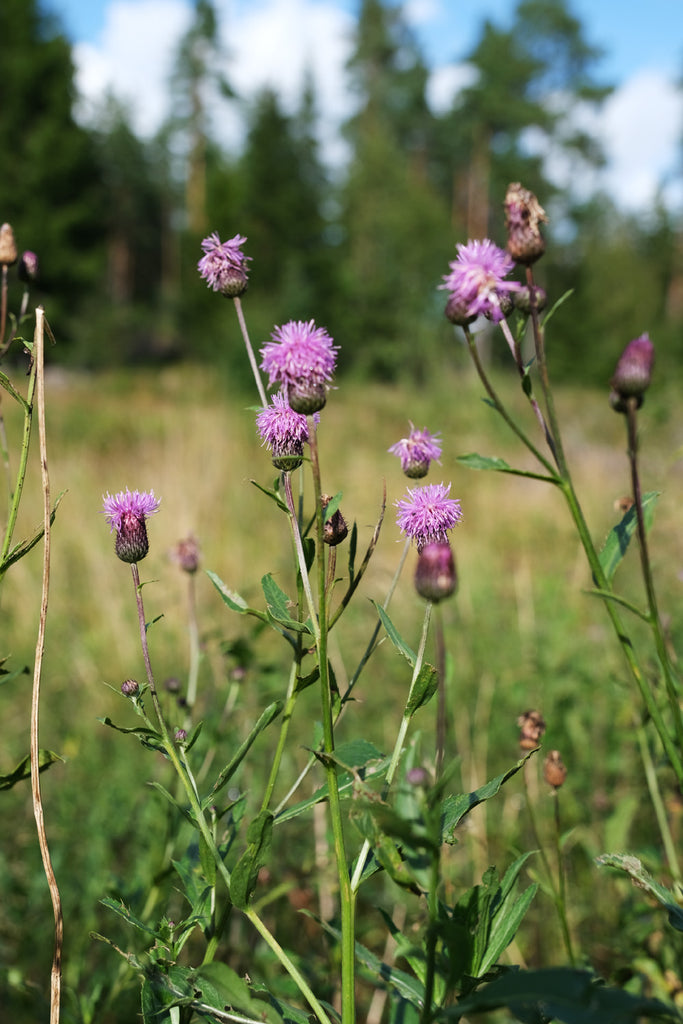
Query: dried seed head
[
  {"x": 8, "y": 247},
  {"x": 335, "y": 529},
  {"x": 532, "y": 726},
  {"x": 554, "y": 769},
  {"x": 523, "y": 217}
]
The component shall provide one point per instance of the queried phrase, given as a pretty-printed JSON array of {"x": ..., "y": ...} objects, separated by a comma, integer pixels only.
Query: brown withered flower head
[
  {"x": 523, "y": 217},
  {"x": 532, "y": 727},
  {"x": 554, "y": 769},
  {"x": 335, "y": 529}
]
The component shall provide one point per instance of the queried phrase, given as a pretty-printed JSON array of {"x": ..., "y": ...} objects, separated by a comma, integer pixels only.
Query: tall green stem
[
  {"x": 646, "y": 569},
  {"x": 398, "y": 745},
  {"x": 348, "y": 947}
]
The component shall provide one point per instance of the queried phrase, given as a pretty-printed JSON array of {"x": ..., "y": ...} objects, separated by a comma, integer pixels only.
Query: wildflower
[
  {"x": 427, "y": 513},
  {"x": 284, "y": 431},
  {"x": 417, "y": 451},
  {"x": 28, "y": 267},
  {"x": 8, "y": 247},
  {"x": 335, "y": 529},
  {"x": 224, "y": 266},
  {"x": 130, "y": 687},
  {"x": 554, "y": 769},
  {"x": 301, "y": 357},
  {"x": 186, "y": 554},
  {"x": 180, "y": 735},
  {"x": 476, "y": 282},
  {"x": 523, "y": 216},
  {"x": 532, "y": 727},
  {"x": 435, "y": 575},
  {"x": 633, "y": 373},
  {"x": 127, "y": 512}
]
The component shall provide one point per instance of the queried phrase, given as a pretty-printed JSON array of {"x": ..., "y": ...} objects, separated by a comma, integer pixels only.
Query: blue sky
[
  {"x": 126, "y": 46},
  {"x": 649, "y": 35}
]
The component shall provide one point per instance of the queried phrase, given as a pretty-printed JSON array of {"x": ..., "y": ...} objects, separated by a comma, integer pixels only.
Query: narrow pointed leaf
[
  {"x": 475, "y": 461},
  {"x": 455, "y": 807},
  {"x": 245, "y": 872},
  {"x": 425, "y": 687},
  {"x": 23, "y": 769},
  {"x": 397, "y": 640},
  {"x": 619, "y": 537},
  {"x": 270, "y": 713}
]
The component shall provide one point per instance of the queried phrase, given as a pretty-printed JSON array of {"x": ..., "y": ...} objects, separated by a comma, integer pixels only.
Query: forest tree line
[{"x": 117, "y": 220}]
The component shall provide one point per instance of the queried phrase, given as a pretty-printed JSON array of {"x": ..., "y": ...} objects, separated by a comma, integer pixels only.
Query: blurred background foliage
[{"x": 117, "y": 220}]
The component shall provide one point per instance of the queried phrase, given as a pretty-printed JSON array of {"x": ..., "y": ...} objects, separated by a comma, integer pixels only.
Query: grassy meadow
[{"x": 520, "y": 633}]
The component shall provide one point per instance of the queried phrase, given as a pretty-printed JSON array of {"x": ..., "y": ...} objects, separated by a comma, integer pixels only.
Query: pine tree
[
  {"x": 50, "y": 186},
  {"x": 396, "y": 231}
]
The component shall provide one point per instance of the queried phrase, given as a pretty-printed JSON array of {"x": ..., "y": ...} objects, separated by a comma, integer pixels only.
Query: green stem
[
  {"x": 557, "y": 893},
  {"x": 250, "y": 352},
  {"x": 290, "y": 701},
  {"x": 348, "y": 944},
  {"x": 500, "y": 408},
  {"x": 398, "y": 745},
  {"x": 430, "y": 951},
  {"x": 561, "y": 882},
  {"x": 658, "y": 803},
  {"x": 290, "y": 967},
  {"x": 646, "y": 569},
  {"x": 15, "y": 496}
]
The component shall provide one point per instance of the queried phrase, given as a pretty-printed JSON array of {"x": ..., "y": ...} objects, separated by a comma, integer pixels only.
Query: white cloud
[
  {"x": 133, "y": 57},
  {"x": 641, "y": 126}
]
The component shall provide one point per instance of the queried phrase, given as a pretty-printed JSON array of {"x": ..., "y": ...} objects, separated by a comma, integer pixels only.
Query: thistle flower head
[
  {"x": 427, "y": 513},
  {"x": 476, "y": 282},
  {"x": 223, "y": 265},
  {"x": 417, "y": 451},
  {"x": 301, "y": 357},
  {"x": 633, "y": 373},
  {"x": 284, "y": 431},
  {"x": 126, "y": 513}
]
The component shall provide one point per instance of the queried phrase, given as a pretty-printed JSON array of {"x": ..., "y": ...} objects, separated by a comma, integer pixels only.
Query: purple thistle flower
[
  {"x": 427, "y": 513},
  {"x": 301, "y": 357},
  {"x": 223, "y": 265},
  {"x": 284, "y": 431},
  {"x": 417, "y": 451},
  {"x": 126, "y": 513},
  {"x": 476, "y": 282}
]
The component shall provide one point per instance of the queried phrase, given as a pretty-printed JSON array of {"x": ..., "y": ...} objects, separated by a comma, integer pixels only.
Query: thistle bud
[
  {"x": 554, "y": 769},
  {"x": 130, "y": 687},
  {"x": 532, "y": 726},
  {"x": 523, "y": 216},
  {"x": 186, "y": 554},
  {"x": 335, "y": 529},
  {"x": 522, "y": 299},
  {"x": 306, "y": 396},
  {"x": 633, "y": 373},
  {"x": 27, "y": 270},
  {"x": 457, "y": 311},
  {"x": 180, "y": 735},
  {"x": 435, "y": 574},
  {"x": 8, "y": 247}
]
